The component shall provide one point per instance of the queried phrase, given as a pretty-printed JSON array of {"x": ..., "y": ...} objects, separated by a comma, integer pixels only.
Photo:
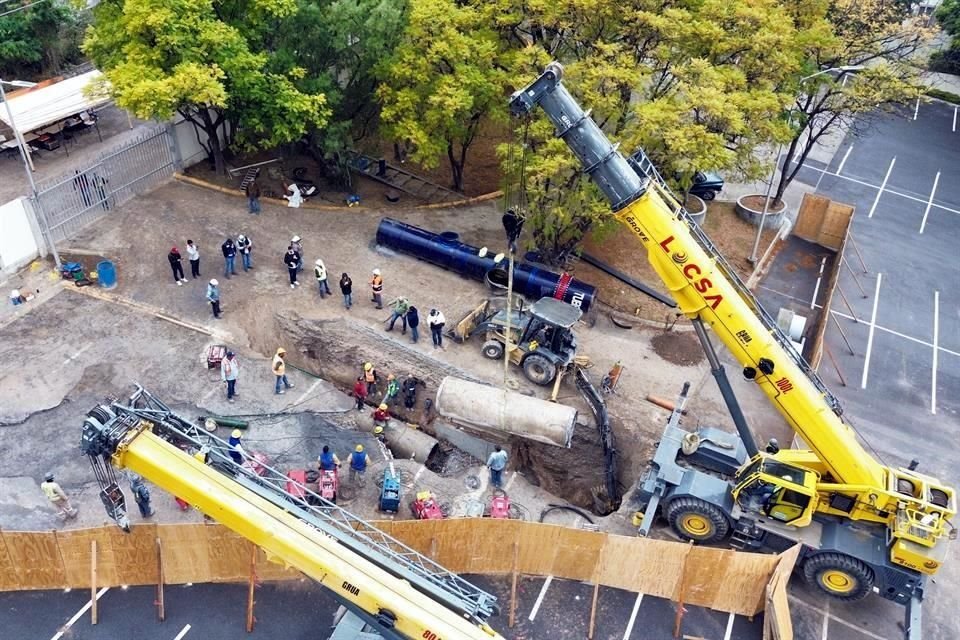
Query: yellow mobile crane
[
  {"x": 397, "y": 591},
  {"x": 864, "y": 526}
]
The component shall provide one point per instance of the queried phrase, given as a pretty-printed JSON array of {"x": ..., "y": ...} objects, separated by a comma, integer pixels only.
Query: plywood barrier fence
[
  {"x": 719, "y": 579},
  {"x": 777, "y": 624}
]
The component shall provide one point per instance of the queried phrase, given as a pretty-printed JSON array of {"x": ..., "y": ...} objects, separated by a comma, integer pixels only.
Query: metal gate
[{"x": 76, "y": 199}]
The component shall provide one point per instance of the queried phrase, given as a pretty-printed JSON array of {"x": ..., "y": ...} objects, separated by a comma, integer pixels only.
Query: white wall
[
  {"x": 191, "y": 152},
  {"x": 20, "y": 239}
]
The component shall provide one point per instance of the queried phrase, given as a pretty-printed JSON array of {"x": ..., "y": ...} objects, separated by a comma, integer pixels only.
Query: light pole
[
  {"x": 28, "y": 168},
  {"x": 752, "y": 259}
]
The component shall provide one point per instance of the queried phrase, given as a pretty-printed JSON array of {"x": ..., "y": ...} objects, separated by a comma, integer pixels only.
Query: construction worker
[
  {"x": 297, "y": 243},
  {"x": 436, "y": 321},
  {"x": 328, "y": 460},
  {"x": 399, "y": 308},
  {"x": 381, "y": 415},
  {"x": 497, "y": 462},
  {"x": 360, "y": 392},
  {"x": 320, "y": 270},
  {"x": 213, "y": 296},
  {"x": 280, "y": 371},
  {"x": 358, "y": 465},
  {"x": 292, "y": 259},
  {"x": 229, "y": 251},
  {"x": 409, "y": 388},
  {"x": 379, "y": 435},
  {"x": 57, "y": 497},
  {"x": 245, "y": 247},
  {"x": 376, "y": 288},
  {"x": 229, "y": 372},
  {"x": 393, "y": 390},
  {"x": 371, "y": 378},
  {"x": 141, "y": 494},
  {"x": 236, "y": 449}
]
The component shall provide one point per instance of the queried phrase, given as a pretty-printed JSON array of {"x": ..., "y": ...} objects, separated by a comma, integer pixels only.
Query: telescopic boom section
[
  {"x": 249, "y": 507},
  {"x": 703, "y": 288}
]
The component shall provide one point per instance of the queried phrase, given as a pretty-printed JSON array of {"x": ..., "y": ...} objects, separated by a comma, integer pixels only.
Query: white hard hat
[
  {"x": 319, "y": 262},
  {"x": 295, "y": 239},
  {"x": 214, "y": 282},
  {"x": 241, "y": 237},
  {"x": 376, "y": 272}
]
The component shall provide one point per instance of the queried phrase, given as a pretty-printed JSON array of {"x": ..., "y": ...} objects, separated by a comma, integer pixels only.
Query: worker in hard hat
[
  {"x": 57, "y": 497},
  {"x": 327, "y": 460},
  {"x": 297, "y": 243},
  {"x": 376, "y": 288},
  {"x": 236, "y": 449},
  {"x": 393, "y": 390},
  {"x": 379, "y": 434},
  {"x": 359, "y": 461},
  {"x": 381, "y": 415},
  {"x": 320, "y": 271},
  {"x": 279, "y": 367},
  {"x": 371, "y": 379}
]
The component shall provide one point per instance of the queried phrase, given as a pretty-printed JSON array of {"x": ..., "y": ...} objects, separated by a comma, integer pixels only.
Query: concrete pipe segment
[
  {"x": 493, "y": 410},
  {"x": 406, "y": 443}
]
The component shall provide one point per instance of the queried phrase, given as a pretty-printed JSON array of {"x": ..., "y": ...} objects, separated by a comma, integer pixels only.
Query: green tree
[
  {"x": 198, "y": 58},
  {"x": 696, "y": 85},
  {"x": 948, "y": 60},
  {"x": 881, "y": 39},
  {"x": 442, "y": 82},
  {"x": 38, "y": 41}
]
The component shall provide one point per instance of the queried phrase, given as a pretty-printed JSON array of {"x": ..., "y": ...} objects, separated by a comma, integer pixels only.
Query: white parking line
[
  {"x": 826, "y": 621},
  {"x": 954, "y": 118},
  {"x": 633, "y": 617},
  {"x": 844, "y": 161},
  {"x": 76, "y": 616},
  {"x": 182, "y": 633},
  {"x": 873, "y": 325},
  {"x": 729, "y": 631},
  {"x": 916, "y": 110},
  {"x": 826, "y": 613},
  {"x": 543, "y": 592},
  {"x": 936, "y": 339},
  {"x": 933, "y": 192},
  {"x": 882, "y": 186}
]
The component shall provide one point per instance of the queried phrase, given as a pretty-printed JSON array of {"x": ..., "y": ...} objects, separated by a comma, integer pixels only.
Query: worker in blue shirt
[
  {"x": 497, "y": 462},
  {"x": 358, "y": 465},
  {"x": 328, "y": 460}
]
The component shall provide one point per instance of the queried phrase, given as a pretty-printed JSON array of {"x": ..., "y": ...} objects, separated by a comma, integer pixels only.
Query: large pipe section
[
  {"x": 445, "y": 250},
  {"x": 491, "y": 410},
  {"x": 406, "y": 443}
]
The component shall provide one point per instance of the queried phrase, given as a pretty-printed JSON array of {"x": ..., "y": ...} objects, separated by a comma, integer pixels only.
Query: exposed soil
[
  {"x": 733, "y": 236},
  {"x": 756, "y": 203},
  {"x": 679, "y": 348}
]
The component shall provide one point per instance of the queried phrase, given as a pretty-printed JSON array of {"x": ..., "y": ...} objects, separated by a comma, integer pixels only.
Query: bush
[
  {"x": 946, "y": 96},
  {"x": 945, "y": 61}
]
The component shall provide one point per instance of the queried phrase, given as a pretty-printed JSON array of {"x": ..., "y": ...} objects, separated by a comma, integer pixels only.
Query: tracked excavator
[
  {"x": 864, "y": 526},
  {"x": 386, "y": 586}
]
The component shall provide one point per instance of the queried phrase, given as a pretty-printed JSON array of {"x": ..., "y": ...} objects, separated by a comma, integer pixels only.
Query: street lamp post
[
  {"x": 773, "y": 173},
  {"x": 28, "y": 168}
]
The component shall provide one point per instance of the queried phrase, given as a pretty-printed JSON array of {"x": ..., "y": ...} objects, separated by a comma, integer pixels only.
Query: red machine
[
  {"x": 257, "y": 463},
  {"x": 328, "y": 484},
  {"x": 500, "y": 506},
  {"x": 426, "y": 507},
  {"x": 298, "y": 480}
]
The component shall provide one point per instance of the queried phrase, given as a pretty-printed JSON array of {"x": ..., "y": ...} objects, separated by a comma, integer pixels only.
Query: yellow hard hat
[
  {"x": 236, "y": 433},
  {"x": 377, "y": 430},
  {"x": 359, "y": 448},
  {"x": 383, "y": 407},
  {"x": 367, "y": 366}
]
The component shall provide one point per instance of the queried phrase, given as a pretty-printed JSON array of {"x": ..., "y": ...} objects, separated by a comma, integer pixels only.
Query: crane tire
[
  {"x": 839, "y": 576},
  {"x": 697, "y": 520},
  {"x": 492, "y": 349},
  {"x": 539, "y": 370}
]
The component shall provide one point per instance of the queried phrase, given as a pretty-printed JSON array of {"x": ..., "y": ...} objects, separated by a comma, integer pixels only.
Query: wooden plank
[
  {"x": 229, "y": 554},
  {"x": 251, "y": 586},
  {"x": 513, "y": 585},
  {"x": 161, "y": 605},
  {"x": 577, "y": 555},
  {"x": 134, "y": 554},
  {"x": 813, "y": 208},
  {"x": 75, "y": 548},
  {"x": 36, "y": 556},
  {"x": 742, "y": 582},
  {"x": 9, "y": 580},
  {"x": 186, "y": 557},
  {"x": 652, "y": 567},
  {"x": 93, "y": 581}
]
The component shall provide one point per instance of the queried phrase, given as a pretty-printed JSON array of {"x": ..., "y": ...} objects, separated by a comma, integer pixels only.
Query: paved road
[{"x": 903, "y": 379}]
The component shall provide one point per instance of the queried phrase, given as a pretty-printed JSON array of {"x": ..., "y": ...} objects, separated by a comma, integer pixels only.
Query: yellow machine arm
[
  {"x": 251, "y": 508},
  {"x": 852, "y": 484}
]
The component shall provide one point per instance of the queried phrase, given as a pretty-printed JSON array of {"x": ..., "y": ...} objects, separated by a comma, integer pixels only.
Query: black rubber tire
[
  {"x": 715, "y": 523},
  {"x": 539, "y": 370},
  {"x": 709, "y": 195},
  {"x": 492, "y": 349},
  {"x": 816, "y": 568}
]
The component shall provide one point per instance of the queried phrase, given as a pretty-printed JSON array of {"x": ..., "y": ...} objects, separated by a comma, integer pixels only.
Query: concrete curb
[{"x": 197, "y": 182}]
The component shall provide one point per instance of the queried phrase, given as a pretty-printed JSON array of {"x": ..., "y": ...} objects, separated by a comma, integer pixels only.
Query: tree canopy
[
  {"x": 200, "y": 58},
  {"x": 38, "y": 41}
]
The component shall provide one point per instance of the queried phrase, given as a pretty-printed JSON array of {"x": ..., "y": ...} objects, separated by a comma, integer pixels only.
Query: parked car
[{"x": 706, "y": 185}]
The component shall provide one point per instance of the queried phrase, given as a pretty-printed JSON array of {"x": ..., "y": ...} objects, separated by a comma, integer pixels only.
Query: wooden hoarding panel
[
  {"x": 75, "y": 550},
  {"x": 135, "y": 553},
  {"x": 36, "y": 557},
  {"x": 186, "y": 556}
]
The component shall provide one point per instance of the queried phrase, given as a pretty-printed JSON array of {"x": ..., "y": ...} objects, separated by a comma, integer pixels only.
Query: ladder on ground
[
  {"x": 249, "y": 177},
  {"x": 401, "y": 179},
  {"x": 645, "y": 167}
]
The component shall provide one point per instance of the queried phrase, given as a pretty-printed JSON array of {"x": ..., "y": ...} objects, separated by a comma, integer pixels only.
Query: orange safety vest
[{"x": 377, "y": 284}]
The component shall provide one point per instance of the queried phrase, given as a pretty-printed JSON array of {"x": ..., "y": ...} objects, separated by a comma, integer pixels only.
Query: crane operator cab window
[{"x": 779, "y": 491}]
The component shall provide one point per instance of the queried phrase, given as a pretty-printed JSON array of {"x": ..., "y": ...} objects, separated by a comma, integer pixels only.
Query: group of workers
[{"x": 358, "y": 461}]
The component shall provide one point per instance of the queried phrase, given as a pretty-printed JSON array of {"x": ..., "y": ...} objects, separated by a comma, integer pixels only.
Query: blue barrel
[{"x": 107, "y": 274}]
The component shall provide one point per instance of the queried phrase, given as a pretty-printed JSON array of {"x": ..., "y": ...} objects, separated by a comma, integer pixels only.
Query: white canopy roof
[{"x": 43, "y": 106}]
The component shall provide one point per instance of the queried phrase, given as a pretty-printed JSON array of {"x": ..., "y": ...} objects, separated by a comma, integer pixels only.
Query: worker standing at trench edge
[
  {"x": 358, "y": 466},
  {"x": 497, "y": 462},
  {"x": 229, "y": 372},
  {"x": 57, "y": 497},
  {"x": 279, "y": 367}
]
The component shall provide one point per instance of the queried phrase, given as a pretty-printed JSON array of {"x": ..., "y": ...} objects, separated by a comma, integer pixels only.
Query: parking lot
[{"x": 902, "y": 379}]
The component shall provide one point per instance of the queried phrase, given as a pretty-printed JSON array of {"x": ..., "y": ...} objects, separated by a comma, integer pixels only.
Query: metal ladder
[
  {"x": 249, "y": 177},
  {"x": 642, "y": 164},
  {"x": 401, "y": 179}
]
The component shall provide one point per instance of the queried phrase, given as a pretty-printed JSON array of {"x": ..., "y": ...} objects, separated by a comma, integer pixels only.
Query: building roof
[{"x": 45, "y": 105}]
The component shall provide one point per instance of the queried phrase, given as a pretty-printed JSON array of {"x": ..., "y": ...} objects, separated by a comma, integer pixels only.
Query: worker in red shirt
[
  {"x": 381, "y": 415},
  {"x": 360, "y": 392}
]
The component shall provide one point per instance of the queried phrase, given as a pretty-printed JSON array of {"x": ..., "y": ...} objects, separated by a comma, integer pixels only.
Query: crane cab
[{"x": 778, "y": 490}]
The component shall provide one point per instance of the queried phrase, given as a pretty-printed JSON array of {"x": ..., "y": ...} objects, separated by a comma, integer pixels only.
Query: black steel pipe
[{"x": 445, "y": 250}]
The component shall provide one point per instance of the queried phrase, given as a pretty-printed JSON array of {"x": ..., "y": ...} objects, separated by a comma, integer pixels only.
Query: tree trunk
[
  {"x": 456, "y": 166},
  {"x": 211, "y": 128}
]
